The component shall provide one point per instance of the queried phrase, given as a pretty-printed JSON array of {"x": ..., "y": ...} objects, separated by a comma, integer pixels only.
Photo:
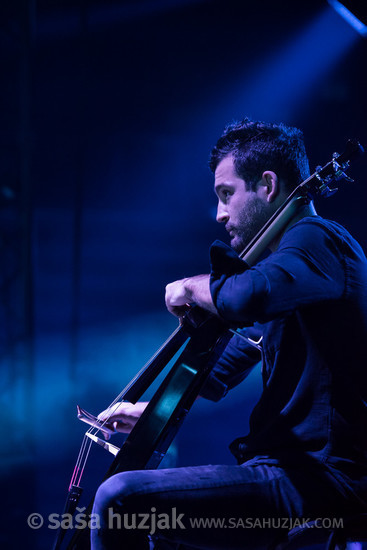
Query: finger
[
  {"x": 104, "y": 415},
  {"x": 109, "y": 413}
]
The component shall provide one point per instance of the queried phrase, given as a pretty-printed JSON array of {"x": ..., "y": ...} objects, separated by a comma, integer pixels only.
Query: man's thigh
[{"x": 205, "y": 506}]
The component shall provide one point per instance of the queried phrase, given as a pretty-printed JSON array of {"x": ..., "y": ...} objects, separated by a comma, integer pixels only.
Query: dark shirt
[{"x": 309, "y": 299}]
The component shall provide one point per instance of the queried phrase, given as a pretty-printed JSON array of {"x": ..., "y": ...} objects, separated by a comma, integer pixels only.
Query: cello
[{"x": 203, "y": 337}]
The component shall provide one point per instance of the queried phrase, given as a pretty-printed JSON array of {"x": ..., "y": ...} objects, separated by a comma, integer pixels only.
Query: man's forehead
[
  {"x": 227, "y": 163},
  {"x": 225, "y": 172}
]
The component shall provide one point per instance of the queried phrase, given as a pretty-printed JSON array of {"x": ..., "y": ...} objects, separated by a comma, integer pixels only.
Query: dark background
[{"x": 108, "y": 112}]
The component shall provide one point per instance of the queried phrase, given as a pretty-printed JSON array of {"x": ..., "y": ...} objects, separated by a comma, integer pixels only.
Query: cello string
[
  {"x": 82, "y": 458},
  {"x": 83, "y": 455},
  {"x": 88, "y": 446},
  {"x": 78, "y": 462}
]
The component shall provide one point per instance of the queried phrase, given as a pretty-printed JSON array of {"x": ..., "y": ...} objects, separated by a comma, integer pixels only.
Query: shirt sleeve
[
  {"x": 308, "y": 267},
  {"x": 233, "y": 366}
]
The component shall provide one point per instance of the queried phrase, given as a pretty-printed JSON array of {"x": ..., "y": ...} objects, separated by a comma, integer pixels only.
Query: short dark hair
[{"x": 259, "y": 146}]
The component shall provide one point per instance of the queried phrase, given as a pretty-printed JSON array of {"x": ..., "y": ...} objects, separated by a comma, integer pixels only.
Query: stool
[{"x": 349, "y": 529}]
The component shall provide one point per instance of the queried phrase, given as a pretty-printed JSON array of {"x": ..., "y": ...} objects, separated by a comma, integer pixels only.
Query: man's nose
[{"x": 222, "y": 214}]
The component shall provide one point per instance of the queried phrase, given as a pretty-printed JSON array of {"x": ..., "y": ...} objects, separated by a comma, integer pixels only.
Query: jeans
[{"x": 246, "y": 506}]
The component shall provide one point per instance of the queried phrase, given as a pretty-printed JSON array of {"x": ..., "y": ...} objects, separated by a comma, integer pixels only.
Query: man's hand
[
  {"x": 123, "y": 416},
  {"x": 192, "y": 290}
]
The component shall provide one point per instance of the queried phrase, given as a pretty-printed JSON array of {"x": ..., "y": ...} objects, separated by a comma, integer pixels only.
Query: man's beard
[{"x": 251, "y": 219}]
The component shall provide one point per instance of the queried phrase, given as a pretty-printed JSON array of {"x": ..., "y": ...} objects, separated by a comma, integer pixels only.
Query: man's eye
[{"x": 226, "y": 193}]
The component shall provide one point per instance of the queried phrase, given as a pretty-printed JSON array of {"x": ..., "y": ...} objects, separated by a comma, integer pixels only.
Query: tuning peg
[
  {"x": 328, "y": 192},
  {"x": 344, "y": 176}
]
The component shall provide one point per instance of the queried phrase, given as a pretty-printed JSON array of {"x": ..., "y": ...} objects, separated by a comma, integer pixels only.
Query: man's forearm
[{"x": 188, "y": 291}]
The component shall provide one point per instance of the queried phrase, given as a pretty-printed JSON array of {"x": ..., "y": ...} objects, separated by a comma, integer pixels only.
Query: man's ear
[{"x": 269, "y": 186}]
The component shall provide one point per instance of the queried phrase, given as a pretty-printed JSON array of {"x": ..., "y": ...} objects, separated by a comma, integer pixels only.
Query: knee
[{"x": 115, "y": 491}]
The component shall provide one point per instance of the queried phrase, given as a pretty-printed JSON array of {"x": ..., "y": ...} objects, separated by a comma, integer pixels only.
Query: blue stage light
[{"x": 352, "y": 13}]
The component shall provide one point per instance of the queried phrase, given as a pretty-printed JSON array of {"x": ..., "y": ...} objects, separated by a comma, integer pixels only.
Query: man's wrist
[
  {"x": 197, "y": 290},
  {"x": 189, "y": 286}
]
